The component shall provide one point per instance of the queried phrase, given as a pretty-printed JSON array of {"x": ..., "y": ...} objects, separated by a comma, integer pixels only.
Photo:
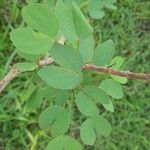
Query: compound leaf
[
  {"x": 60, "y": 78},
  {"x": 67, "y": 57},
  {"x": 41, "y": 18},
  {"x": 85, "y": 105},
  {"x": 57, "y": 118},
  {"x": 112, "y": 88},
  {"x": 87, "y": 132},
  {"x": 104, "y": 53}
]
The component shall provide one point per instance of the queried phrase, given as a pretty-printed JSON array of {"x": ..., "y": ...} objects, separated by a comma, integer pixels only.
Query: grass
[{"x": 129, "y": 28}]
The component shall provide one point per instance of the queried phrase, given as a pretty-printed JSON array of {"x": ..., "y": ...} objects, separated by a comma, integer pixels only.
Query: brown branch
[
  {"x": 10, "y": 76},
  {"x": 48, "y": 61},
  {"x": 127, "y": 74}
]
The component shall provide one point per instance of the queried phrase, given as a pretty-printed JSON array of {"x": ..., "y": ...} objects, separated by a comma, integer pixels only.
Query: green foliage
[
  {"x": 96, "y": 7},
  {"x": 112, "y": 87},
  {"x": 64, "y": 142},
  {"x": 31, "y": 42},
  {"x": 85, "y": 105},
  {"x": 60, "y": 78},
  {"x": 63, "y": 90},
  {"x": 55, "y": 117},
  {"x": 87, "y": 132},
  {"x": 41, "y": 19},
  {"x": 128, "y": 27},
  {"x": 67, "y": 57},
  {"x": 89, "y": 45},
  {"x": 104, "y": 53},
  {"x": 83, "y": 28},
  {"x": 117, "y": 63}
]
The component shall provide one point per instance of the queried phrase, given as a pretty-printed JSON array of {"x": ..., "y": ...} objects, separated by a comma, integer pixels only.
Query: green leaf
[
  {"x": 64, "y": 142},
  {"x": 35, "y": 100},
  {"x": 104, "y": 53},
  {"x": 87, "y": 132},
  {"x": 41, "y": 18},
  {"x": 83, "y": 28},
  {"x": 31, "y": 42},
  {"x": 85, "y": 105},
  {"x": 96, "y": 9},
  {"x": 67, "y": 57},
  {"x": 101, "y": 125},
  {"x": 48, "y": 116},
  {"x": 61, "y": 97},
  {"x": 60, "y": 78},
  {"x": 28, "y": 57},
  {"x": 96, "y": 94},
  {"x": 61, "y": 124},
  {"x": 57, "y": 118},
  {"x": 86, "y": 49},
  {"x": 50, "y": 3},
  {"x": 112, "y": 88},
  {"x": 65, "y": 17},
  {"x": 109, "y": 106},
  {"x": 23, "y": 67},
  {"x": 117, "y": 63}
]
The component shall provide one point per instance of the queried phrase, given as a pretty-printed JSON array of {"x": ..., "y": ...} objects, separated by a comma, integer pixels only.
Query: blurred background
[{"x": 129, "y": 28}]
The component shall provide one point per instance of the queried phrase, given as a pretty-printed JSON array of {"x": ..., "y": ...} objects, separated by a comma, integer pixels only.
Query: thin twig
[
  {"x": 10, "y": 76},
  {"x": 127, "y": 74},
  {"x": 48, "y": 61}
]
